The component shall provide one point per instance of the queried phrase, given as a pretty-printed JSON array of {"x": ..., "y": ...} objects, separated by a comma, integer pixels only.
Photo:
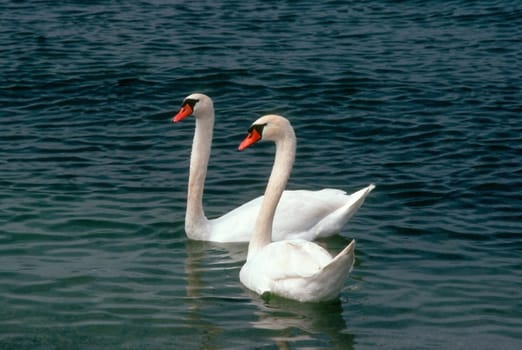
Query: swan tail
[
  {"x": 345, "y": 259},
  {"x": 334, "y": 222},
  {"x": 333, "y": 276},
  {"x": 323, "y": 285}
]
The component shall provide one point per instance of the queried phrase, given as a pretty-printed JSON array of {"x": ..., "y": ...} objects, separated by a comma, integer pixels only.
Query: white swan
[
  {"x": 301, "y": 214},
  {"x": 294, "y": 269}
]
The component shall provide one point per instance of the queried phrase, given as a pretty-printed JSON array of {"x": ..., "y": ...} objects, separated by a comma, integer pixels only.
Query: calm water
[{"x": 422, "y": 98}]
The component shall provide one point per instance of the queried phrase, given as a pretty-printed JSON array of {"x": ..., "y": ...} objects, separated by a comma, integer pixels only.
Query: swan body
[
  {"x": 301, "y": 214},
  {"x": 298, "y": 270},
  {"x": 320, "y": 214},
  {"x": 294, "y": 269}
]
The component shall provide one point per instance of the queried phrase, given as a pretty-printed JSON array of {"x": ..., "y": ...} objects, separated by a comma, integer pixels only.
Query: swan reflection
[
  {"x": 214, "y": 294},
  {"x": 293, "y": 322}
]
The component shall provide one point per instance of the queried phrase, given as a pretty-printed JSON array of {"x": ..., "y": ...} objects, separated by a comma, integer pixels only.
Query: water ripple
[{"x": 423, "y": 103}]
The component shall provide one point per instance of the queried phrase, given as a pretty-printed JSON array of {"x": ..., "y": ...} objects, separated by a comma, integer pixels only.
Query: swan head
[
  {"x": 197, "y": 104},
  {"x": 271, "y": 127}
]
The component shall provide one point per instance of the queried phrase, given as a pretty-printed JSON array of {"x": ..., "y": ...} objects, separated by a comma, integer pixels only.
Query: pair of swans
[{"x": 281, "y": 259}]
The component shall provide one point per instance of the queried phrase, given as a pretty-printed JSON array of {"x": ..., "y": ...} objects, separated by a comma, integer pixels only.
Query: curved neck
[
  {"x": 283, "y": 163},
  {"x": 195, "y": 220}
]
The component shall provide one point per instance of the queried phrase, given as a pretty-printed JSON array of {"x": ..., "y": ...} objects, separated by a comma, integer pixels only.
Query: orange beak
[
  {"x": 184, "y": 112},
  {"x": 252, "y": 137}
]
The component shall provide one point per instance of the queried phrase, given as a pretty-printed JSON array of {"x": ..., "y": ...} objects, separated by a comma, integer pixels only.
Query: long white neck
[
  {"x": 283, "y": 163},
  {"x": 196, "y": 224}
]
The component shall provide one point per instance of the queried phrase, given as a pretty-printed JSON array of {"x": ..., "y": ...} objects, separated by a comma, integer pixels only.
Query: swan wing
[
  {"x": 325, "y": 284},
  {"x": 236, "y": 225},
  {"x": 298, "y": 269},
  {"x": 311, "y": 214},
  {"x": 297, "y": 213},
  {"x": 300, "y": 214}
]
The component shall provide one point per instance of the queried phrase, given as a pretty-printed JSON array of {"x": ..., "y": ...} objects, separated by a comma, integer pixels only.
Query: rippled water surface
[{"x": 422, "y": 98}]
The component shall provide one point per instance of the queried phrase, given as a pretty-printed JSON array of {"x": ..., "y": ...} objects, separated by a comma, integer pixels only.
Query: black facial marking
[
  {"x": 190, "y": 101},
  {"x": 257, "y": 127}
]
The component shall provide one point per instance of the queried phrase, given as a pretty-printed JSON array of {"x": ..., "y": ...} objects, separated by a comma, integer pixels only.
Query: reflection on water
[
  {"x": 209, "y": 258},
  {"x": 286, "y": 316},
  {"x": 213, "y": 269}
]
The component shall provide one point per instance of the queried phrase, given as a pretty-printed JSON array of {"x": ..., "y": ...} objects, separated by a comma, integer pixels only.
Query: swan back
[{"x": 299, "y": 270}]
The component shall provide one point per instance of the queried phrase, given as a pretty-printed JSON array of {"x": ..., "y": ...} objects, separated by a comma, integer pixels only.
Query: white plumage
[
  {"x": 301, "y": 214},
  {"x": 294, "y": 269}
]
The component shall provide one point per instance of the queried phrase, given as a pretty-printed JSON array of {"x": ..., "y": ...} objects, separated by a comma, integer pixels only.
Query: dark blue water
[{"x": 422, "y": 98}]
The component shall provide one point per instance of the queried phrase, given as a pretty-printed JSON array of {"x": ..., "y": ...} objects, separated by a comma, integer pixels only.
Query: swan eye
[
  {"x": 258, "y": 128},
  {"x": 255, "y": 133},
  {"x": 187, "y": 108},
  {"x": 189, "y": 101}
]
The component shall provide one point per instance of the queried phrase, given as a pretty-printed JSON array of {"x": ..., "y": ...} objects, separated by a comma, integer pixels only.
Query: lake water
[{"x": 422, "y": 98}]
